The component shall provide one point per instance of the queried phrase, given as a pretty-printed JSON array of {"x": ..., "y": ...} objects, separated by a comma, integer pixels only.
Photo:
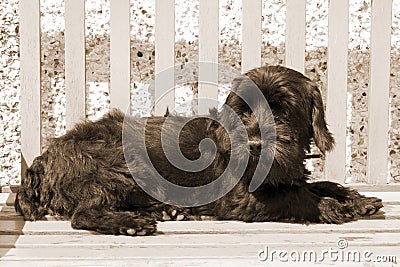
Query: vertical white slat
[
  {"x": 378, "y": 97},
  {"x": 120, "y": 69},
  {"x": 208, "y": 55},
  {"x": 295, "y": 34},
  {"x": 75, "y": 61},
  {"x": 30, "y": 81},
  {"x": 251, "y": 34},
  {"x": 165, "y": 56},
  {"x": 338, "y": 38}
]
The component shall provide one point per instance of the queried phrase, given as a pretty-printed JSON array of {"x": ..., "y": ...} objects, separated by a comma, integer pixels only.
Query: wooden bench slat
[
  {"x": 234, "y": 226},
  {"x": 9, "y": 213},
  {"x": 165, "y": 56},
  {"x": 64, "y": 227},
  {"x": 228, "y": 261},
  {"x": 336, "y": 104},
  {"x": 251, "y": 34},
  {"x": 295, "y": 239},
  {"x": 193, "y": 262},
  {"x": 75, "y": 65},
  {"x": 208, "y": 55},
  {"x": 120, "y": 49},
  {"x": 31, "y": 132},
  {"x": 168, "y": 252},
  {"x": 378, "y": 95},
  {"x": 7, "y": 199},
  {"x": 121, "y": 252},
  {"x": 295, "y": 34}
]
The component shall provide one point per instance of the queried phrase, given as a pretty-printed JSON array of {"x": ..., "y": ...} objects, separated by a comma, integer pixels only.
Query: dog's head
[
  {"x": 294, "y": 100},
  {"x": 295, "y": 113}
]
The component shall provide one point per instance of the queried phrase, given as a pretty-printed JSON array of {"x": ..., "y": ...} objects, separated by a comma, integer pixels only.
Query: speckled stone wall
[
  {"x": 10, "y": 120},
  {"x": 186, "y": 50}
]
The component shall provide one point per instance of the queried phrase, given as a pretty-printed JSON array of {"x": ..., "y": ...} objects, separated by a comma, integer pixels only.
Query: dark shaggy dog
[{"x": 84, "y": 175}]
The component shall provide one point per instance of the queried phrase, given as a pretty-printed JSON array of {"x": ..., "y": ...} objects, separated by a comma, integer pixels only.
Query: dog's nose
[{"x": 255, "y": 148}]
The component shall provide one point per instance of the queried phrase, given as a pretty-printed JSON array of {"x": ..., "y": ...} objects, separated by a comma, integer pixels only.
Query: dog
[{"x": 99, "y": 176}]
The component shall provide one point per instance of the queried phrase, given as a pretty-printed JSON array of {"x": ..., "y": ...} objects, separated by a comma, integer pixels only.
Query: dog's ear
[{"x": 322, "y": 136}]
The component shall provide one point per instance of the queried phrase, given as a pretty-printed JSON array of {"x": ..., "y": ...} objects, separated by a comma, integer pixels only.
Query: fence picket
[
  {"x": 295, "y": 34},
  {"x": 336, "y": 105},
  {"x": 30, "y": 81},
  {"x": 208, "y": 52},
  {"x": 165, "y": 56},
  {"x": 378, "y": 97},
  {"x": 75, "y": 61},
  {"x": 251, "y": 34},
  {"x": 120, "y": 54}
]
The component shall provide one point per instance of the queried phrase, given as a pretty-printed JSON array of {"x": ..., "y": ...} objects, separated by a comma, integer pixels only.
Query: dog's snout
[{"x": 255, "y": 147}]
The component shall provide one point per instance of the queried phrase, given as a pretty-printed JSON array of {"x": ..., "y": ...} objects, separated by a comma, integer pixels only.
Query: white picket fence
[{"x": 378, "y": 105}]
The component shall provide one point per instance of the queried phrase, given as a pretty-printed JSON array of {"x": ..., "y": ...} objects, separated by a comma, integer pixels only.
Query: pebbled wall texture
[{"x": 186, "y": 50}]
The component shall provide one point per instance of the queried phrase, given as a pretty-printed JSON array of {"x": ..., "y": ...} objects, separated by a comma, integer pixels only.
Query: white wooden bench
[{"x": 200, "y": 243}]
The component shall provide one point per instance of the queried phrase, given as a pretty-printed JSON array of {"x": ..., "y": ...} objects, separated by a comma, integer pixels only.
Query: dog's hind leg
[
  {"x": 105, "y": 220},
  {"x": 107, "y": 202},
  {"x": 358, "y": 205}
]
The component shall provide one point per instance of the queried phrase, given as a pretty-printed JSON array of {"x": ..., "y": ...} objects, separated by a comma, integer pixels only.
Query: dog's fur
[{"x": 83, "y": 175}]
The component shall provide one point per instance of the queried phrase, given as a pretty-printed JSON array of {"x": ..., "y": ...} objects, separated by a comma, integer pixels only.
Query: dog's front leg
[
  {"x": 358, "y": 205},
  {"x": 295, "y": 203},
  {"x": 292, "y": 203}
]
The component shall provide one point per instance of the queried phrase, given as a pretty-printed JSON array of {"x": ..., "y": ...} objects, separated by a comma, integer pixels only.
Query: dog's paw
[
  {"x": 138, "y": 227},
  {"x": 173, "y": 215},
  {"x": 332, "y": 211},
  {"x": 364, "y": 206},
  {"x": 114, "y": 222},
  {"x": 170, "y": 213},
  {"x": 132, "y": 224}
]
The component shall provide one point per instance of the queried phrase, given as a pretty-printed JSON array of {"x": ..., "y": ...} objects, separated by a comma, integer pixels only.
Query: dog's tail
[
  {"x": 27, "y": 201},
  {"x": 322, "y": 136}
]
